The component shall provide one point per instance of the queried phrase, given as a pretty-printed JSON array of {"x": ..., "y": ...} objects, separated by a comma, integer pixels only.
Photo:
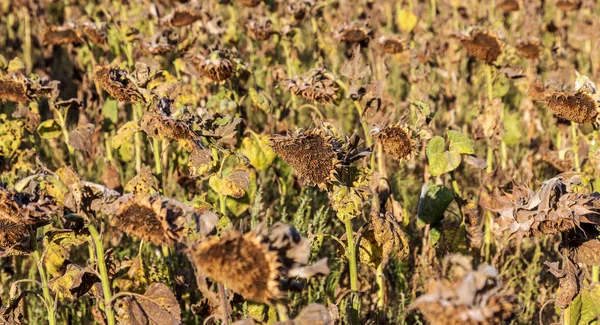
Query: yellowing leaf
[
  {"x": 406, "y": 20},
  {"x": 49, "y": 129},
  {"x": 125, "y": 133},
  {"x": 257, "y": 150}
]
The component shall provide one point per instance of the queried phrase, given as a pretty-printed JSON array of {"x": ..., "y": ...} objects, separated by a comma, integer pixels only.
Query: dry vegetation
[{"x": 299, "y": 162}]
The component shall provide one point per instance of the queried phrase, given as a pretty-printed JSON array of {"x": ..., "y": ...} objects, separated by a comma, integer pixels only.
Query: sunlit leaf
[
  {"x": 49, "y": 129},
  {"x": 433, "y": 202},
  {"x": 461, "y": 143}
]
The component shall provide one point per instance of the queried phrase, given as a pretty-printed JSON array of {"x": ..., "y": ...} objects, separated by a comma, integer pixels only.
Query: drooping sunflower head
[
  {"x": 355, "y": 32},
  {"x": 117, "y": 83},
  {"x": 250, "y": 3},
  {"x": 529, "y": 49},
  {"x": 392, "y": 44},
  {"x": 243, "y": 263},
  {"x": 313, "y": 154},
  {"x": 578, "y": 107},
  {"x": 58, "y": 35},
  {"x": 145, "y": 218},
  {"x": 483, "y": 45},
  {"x": 182, "y": 15},
  {"x": 397, "y": 141},
  {"x": 260, "y": 30},
  {"x": 315, "y": 84},
  {"x": 14, "y": 90},
  {"x": 508, "y": 6},
  {"x": 217, "y": 67}
]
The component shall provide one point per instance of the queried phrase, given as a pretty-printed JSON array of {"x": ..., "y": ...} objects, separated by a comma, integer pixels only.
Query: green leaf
[
  {"x": 461, "y": 143},
  {"x": 15, "y": 65},
  {"x": 441, "y": 161},
  {"x": 110, "y": 110},
  {"x": 257, "y": 150},
  {"x": 513, "y": 131},
  {"x": 433, "y": 202},
  {"x": 406, "y": 20},
  {"x": 435, "y": 233},
  {"x": 586, "y": 306},
  {"x": 49, "y": 129},
  {"x": 501, "y": 87}
]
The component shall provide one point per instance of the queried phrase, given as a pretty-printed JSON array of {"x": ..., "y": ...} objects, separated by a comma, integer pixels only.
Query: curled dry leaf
[
  {"x": 81, "y": 137},
  {"x": 157, "y": 306},
  {"x": 570, "y": 280}
]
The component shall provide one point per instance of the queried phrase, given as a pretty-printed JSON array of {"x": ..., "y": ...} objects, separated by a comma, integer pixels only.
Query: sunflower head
[
  {"x": 117, "y": 83},
  {"x": 250, "y": 3},
  {"x": 183, "y": 15},
  {"x": 243, "y": 263},
  {"x": 217, "y": 66},
  {"x": 14, "y": 90},
  {"x": 529, "y": 49},
  {"x": 298, "y": 9},
  {"x": 578, "y": 107},
  {"x": 159, "y": 126},
  {"x": 260, "y": 30},
  {"x": 313, "y": 154},
  {"x": 95, "y": 33},
  {"x": 392, "y": 44},
  {"x": 315, "y": 84},
  {"x": 355, "y": 32},
  {"x": 508, "y": 6},
  {"x": 483, "y": 45},
  {"x": 145, "y": 218},
  {"x": 397, "y": 141},
  {"x": 58, "y": 35}
]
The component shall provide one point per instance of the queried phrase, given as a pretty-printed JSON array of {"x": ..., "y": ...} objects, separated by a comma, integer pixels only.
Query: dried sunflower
[
  {"x": 117, "y": 83},
  {"x": 96, "y": 33},
  {"x": 397, "y": 141},
  {"x": 315, "y": 84},
  {"x": 253, "y": 264},
  {"x": 355, "y": 32},
  {"x": 250, "y": 3},
  {"x": 19, "y": 214},
  {"x": 159, "y": 126},
  {"x": 18, "y": 88},
  {"x": 578, "y": 106},
  {"x": 158, "y": 220},
  {"x": 508, "y": 6},
  {"x": 466, "y": 296},
  {"x": 484, "y": 45},
  {"x": 163, "y": 42},
  {"x": 183, "y": 15},
  {"x": 392, "y": 44},
  {"x": 529, "y": 49},
  {"x": 313, "y": 154},
  {"x": 568, "y": 5},
  {"x": 58, "y": 35},
  {"x": 260, "y": 30},
  {"x": 553, "y": 209},
  {"x": 217, "y": 67}
]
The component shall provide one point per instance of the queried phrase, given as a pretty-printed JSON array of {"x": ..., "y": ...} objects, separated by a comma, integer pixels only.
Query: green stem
[
  {"x": 380, "y": 291},
  {"x": 351, "y": 252},
  {"x": 488, "y": 78},
  {"x": 45, "y": 289},
  {"x": 137, "y": 137},
  {"x": 110, "y": 316},
  {"x": 157, "y": 160},
  {"x": 282, "y": 312}
]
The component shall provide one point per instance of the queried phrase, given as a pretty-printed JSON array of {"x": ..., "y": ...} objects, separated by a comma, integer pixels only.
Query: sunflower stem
[
  {"x": 282, "y": 312},
  {"x": 110, "y": 316},
  {"x": 137, "y": 137},
  {"x": 224, "y": 307},
  {"x": 380, "y": 291},
  {"x": 157, "y": 160},
  {"x": 351, "y": 252},
  {"x": 45, "y": 290}
]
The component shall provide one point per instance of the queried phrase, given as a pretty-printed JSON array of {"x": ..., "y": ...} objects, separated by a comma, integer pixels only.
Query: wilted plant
[{"x": 315, "y": 85}]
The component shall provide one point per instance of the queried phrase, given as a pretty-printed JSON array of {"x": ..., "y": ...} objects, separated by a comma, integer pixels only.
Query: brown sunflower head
[
  {"x": 392, "y": 44},
  {"x": 253, "y": 264},
  {"x": 14, "y": 89},
  {"x": 355, "y": 32},
  {"x": 59, "y": 35},
  {"x": 508, "y": 6},
  {"x": 95, "y": 33},
  {"x": 250, "y": 3},
  {"x": 19, "y": 214},
  {"x": 183, "y": 15},
  {"x": 466, "y": 296},
  {"x": 315, "y": 84},
  {"x": 117, "y": 83},
  {"x": 483, "y": 45},
  {"x": 313, "y": 154},
  {"x": 152, "y": 218},
  {"x": 162, "y": 42},
  {"x": 159, "y": 126},
  {"x": 578, "y": 107},
  {"x": 529, "y": 49},
  {"x": 260, "y": 30},
  {"x": 568, "y": 5},
  {"x": 397, "y": 141},
  {"x": 218, "y": 66}
]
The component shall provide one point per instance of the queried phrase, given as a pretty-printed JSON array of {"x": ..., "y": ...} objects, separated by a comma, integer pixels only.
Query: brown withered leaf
[
  {"x": 81, "y": 137},
  {"x": 158, "y": 306},
  {"x": 570, "y": 280}
]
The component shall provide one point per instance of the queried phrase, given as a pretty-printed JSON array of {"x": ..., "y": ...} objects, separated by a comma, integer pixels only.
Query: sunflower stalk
[
  {"x": 99, "y": 248},
  {"x": 48, "y": 301},
  {"x": 351, "y": 254}
]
